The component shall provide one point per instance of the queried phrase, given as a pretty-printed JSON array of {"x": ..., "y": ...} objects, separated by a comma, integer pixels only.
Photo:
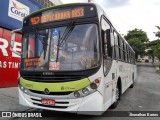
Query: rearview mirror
[{"x": 13, "y": 37}]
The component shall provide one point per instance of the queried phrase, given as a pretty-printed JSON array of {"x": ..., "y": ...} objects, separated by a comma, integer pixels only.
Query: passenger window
[
  {"x": 122, "y": 51},
  {"x": 119, "y": 47},
  {"x": 106, "y": 37},
  {"x": 125, "y": 51},
  {"x": 116, "y": 46}
]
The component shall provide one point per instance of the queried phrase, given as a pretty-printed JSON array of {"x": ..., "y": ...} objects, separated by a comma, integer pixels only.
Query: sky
[{"x": 130, "y": 14}]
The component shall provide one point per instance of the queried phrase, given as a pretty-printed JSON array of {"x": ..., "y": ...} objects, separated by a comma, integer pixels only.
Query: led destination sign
[{"x": 49, "y": 16}]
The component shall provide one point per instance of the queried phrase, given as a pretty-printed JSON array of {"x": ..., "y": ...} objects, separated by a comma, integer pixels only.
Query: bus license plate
[{"x": 48, "y": 102}]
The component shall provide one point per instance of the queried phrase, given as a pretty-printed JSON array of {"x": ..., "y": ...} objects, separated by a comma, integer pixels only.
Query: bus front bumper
[{"x": 91, "y": 104}]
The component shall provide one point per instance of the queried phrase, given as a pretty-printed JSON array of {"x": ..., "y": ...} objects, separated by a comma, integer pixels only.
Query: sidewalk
[{"x": 9, "y": 100}]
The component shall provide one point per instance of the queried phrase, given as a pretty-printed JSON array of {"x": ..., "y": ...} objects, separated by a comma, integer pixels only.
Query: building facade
[{"x": 48, "y": 3}]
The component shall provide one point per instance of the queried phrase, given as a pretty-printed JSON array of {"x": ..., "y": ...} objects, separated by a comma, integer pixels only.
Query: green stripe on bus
[{"x": 55, "y": 87}]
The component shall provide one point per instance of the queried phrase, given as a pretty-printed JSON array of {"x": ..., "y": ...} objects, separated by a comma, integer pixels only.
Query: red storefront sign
[{"x": 9, "y": 62}]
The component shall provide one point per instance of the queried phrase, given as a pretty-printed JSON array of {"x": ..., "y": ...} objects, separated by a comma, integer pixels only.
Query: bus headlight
[
  {"x": 87, "y": 90},
  {"x": 93, "y": 86},
  {"x": 23, "y": 89},
  {"x": 76, "y": 94}
]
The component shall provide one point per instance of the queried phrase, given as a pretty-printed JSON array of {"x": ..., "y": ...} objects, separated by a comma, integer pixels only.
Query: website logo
[{"x": 17, "y": 10}]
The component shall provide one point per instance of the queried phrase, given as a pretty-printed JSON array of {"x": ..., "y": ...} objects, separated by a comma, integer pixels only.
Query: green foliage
[
  {"x": 137, "y": 33},
  {"x": 156, "y": 46},
  {"x": 137, "y": 38},
  {"x": 156, "y": 50},
  {"x": 153, "y": 46},
  {"x": 157, "y": 34},
  {"x": 137, "y": 46},
  {"x": 153, "y": 43}
]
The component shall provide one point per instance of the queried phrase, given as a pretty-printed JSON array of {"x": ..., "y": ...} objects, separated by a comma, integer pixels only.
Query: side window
[
  {"x": 105, "y": 44},
  {"x": 122, "y": 51},
  {"x": 106, "y": 37},
  {"x": 129, "y": 57},
  {"x": 132, "y": 57},
  {"x": 125, "y": 51},
  {"x": 119, "y": 47},
  {"x": 116, "y": 48}
]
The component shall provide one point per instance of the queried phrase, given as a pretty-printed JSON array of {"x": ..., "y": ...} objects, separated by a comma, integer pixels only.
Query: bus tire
[
  {"x": 115, "y": 104},
  {"x": 132, "y": 85}
]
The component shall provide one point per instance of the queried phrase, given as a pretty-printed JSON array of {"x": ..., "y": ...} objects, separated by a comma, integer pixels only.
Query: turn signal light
[{"x": 97, "y": 81}]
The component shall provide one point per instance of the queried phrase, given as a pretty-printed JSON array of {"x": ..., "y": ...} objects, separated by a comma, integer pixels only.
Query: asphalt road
[{"x": 145, "y": 96}]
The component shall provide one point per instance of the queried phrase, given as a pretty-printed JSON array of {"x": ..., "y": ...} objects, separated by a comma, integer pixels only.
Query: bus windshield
[{"x": 61, "y": 48}]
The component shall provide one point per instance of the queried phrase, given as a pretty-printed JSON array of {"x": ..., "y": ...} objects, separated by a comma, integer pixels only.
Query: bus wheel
[{"x": 114, "y": 105}]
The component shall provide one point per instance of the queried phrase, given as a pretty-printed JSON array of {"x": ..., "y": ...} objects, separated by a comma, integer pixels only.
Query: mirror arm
[
  {"x": 13, "y": 39},
  {"x": 16, "y": 30}
]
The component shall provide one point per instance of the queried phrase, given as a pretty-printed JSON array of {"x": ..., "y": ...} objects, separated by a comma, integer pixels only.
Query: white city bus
[{"x": 73, "y": 60}]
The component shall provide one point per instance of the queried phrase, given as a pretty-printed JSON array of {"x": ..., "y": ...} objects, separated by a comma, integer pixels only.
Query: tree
[
  {"x": 137, "y": 46},
  {"x": 137, "y": 33},
  {"x": 155, "y": 45},
  {"x": 157, "y": 34},
  {"x": 152, "y": 46},
  {"x": 137, "y": 39},
  {"x": 156, "y": 50},
  {"x": 152, "y": 43}
]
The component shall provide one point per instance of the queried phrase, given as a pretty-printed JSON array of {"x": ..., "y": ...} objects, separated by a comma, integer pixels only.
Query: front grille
[
  {"x": 48, "y": 106},
  {"x": 53, "y": 78},
  {"x": 51, "y": 93},
  {"x": 58, "y": 104},
  {"x": 55, "y": 102}
]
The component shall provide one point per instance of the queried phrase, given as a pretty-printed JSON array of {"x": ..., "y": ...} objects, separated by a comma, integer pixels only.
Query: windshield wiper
[
  {"x": 66, "y": 33},
  {"x": 65, "y": 36}
]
